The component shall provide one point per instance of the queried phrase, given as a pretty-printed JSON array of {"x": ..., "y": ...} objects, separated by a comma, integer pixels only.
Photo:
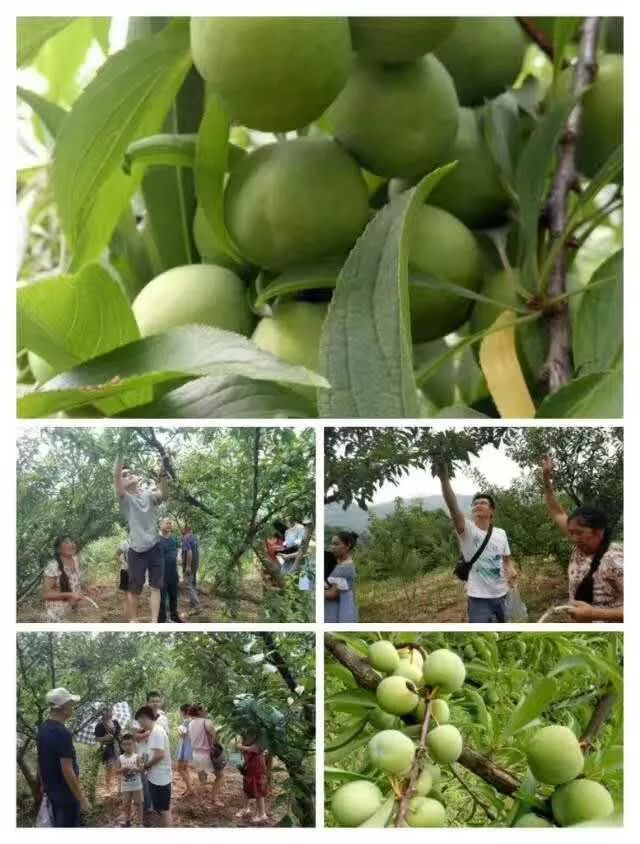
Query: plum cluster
[
  {"x": 376, "y": 104},
  {"x": 411, "y": 685}
]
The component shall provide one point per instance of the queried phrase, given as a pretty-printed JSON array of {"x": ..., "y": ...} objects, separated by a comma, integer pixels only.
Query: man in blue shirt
[
  {"x": 57, "y": 762},
  {"x": 190, "y": 564},
  {"x": 169, "y": 549}
]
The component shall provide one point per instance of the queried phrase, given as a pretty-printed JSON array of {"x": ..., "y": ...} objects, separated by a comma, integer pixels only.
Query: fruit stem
[
  {"x": 537, "y": 35},
  {"x": 559, "y": 365}
]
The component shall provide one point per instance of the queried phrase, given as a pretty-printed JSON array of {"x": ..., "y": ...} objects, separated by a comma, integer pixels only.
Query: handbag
[
  {"x": 215, "y": 748},
  {"x": 463, "y": 567},
  {"x": 45, "y": 814}
]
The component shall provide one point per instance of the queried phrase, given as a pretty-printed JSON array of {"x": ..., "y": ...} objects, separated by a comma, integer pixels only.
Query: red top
[
  {"x": 274, "y": 546},
  {"x": 255, "y": 773}
]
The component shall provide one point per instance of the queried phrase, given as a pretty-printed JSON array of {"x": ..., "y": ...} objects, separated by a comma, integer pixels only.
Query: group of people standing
[
  {"x": 137, "y": 758},
  {"x": 149, "y": 554},
  {"x": 595, "y": 571}
]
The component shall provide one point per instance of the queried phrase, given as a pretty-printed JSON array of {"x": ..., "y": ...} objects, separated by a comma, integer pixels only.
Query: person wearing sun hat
[{"x": 57, "y": 761}]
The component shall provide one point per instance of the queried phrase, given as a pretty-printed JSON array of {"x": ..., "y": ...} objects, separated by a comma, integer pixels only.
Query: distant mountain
[{"x": 353, "y": 518}]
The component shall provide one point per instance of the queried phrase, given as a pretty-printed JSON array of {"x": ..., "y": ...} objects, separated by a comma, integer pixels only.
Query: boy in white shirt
[{"x": 158, "y": 766}]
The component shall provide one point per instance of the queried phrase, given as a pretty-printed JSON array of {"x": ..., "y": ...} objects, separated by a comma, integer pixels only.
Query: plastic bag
[
  {"x": 516, "y": 609},
  {"x": 45, "y": 813}
]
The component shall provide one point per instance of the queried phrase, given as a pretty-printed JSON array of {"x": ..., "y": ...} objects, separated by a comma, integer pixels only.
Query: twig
[
  {"x": 559, "y": 366},
  {"x": 536, "y": 34},
  {"x": 415, "y": 768},
  {"x": 478, "y": 801},
  {"x": 483, "y": 767}
]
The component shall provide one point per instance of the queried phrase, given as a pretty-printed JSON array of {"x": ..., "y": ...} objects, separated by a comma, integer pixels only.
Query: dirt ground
[
  {"x": 439, "y": 596},
  {"x": 110, "y": 601}
]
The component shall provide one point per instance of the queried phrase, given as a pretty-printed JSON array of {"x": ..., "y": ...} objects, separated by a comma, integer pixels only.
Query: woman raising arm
[{"x": 596, "y": 566}]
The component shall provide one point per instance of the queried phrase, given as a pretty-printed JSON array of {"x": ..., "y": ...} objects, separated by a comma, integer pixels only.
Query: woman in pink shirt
[{"x": 208, "y": 757}]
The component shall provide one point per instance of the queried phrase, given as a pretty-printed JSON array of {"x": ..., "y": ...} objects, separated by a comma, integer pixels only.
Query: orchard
[
  {"x": 338, "y": 217},
  {"x": 502, "y": 730}
]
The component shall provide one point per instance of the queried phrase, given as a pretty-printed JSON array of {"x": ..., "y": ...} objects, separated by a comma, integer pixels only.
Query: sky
[{"x": 492, "y": 462}]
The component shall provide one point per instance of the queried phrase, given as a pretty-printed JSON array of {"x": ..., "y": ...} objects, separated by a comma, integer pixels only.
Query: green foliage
[
  {"x": 244, "y": 681},
  {"x": 95, "y": 185},
  {"x": 359, "y": 460},
  {"x": 408, "y": 543},
  {"x": 515, "y": 683}
]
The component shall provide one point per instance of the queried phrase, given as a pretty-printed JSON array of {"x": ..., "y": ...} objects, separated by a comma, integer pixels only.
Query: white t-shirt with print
[
  {"x": 486, "y": 579},
  {"x": 160, "y": 773}
]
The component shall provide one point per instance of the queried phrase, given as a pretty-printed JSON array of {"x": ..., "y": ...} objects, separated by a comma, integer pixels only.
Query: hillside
[{"x": 353, "y": 518}]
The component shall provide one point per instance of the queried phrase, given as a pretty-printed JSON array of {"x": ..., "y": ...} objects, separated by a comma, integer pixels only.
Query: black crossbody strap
[{"x": 481, "y": 547}]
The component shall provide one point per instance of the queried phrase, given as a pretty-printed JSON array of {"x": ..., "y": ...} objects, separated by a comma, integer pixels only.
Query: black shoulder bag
[{"x": 463, "y": 567}]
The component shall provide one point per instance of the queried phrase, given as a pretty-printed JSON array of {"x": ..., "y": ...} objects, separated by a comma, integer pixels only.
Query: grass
[{"x": 439, "y": 596}]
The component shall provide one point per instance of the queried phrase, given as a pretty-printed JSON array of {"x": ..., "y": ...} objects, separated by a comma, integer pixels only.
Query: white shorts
[{"x": 202, "y": 762}]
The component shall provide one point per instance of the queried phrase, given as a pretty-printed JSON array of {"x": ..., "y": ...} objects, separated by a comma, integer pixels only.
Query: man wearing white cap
[{"x": 57, "y": 762}]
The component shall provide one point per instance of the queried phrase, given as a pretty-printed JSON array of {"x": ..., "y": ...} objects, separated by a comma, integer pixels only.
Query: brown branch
[
  {"x": 483, "y": 767},
  {"x": 559, "y": 366},
  {"x": 415, "y": 768},
  {"x": 363, "y": 673},
  {"x": 536, "y": 34},
  {"x": 599, "y": 716}
]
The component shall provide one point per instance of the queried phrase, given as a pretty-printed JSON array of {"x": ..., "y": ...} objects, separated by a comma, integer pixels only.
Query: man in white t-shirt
[
  {"x": 494, "y": 573},
  {"x": 158, "y": 764}
]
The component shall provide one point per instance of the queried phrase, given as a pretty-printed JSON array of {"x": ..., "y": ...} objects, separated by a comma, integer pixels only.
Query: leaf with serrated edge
[
  {"x": 69, "y": 319},
  {"x": 365, "y": 348},
  {"x": 188, "y": 351}
]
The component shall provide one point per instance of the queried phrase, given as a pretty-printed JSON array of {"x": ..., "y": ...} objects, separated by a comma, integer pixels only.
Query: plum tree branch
[
  {"x": 537, "y": 35},
  {"x": 559, "y": 365},
  {"x": 363, "y": 673},
  {"x": 599, "y": 716}
]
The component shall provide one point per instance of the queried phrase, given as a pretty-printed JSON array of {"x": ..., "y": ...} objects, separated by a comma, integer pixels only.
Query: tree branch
[
  {"x": 363, "y": 673},
  {"x": 415, "y": 768},
  {"x": 537, "y": 35},
  {"x": 599, "y": 716},
  {"x": 559, "y": 365}
]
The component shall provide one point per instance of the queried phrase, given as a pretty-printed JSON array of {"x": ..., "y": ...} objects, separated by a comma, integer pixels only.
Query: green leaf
[
  {"x": 338, "y": 775},
  {"x": 567, "y": 663},
  {"x": 227, "y": 398},
  {"x": 460, "y": 411},
  {"x": 598, "y": 324},
  {"x": 309, "y": 277},
  {"x": 51, "y": 114},
  {"x": 33, "y": 32},
  {"x": 211, "y": 165},
  {"x": 335, "y": 755},
  {"x": 382, "y": 815},
  {"x": 595, "y": 396},
  {"x": 531, "y": 706},
  {"x": 69, "y": 319},
  {"x": 501, "y": 129},
  {"x": 127, "y": 100},
  {"x": 365, "y": 347},
  {"x": 346, "y": 736},
  {"x": 62, "y": 58},
  {"x": 188, "y": 351},
  {"x": 532, "y": 170},
  {"x": 353, "y": 697},
  {"x": 563, "y": 31}
]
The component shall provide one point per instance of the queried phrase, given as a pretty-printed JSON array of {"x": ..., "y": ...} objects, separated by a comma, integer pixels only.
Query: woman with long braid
[
  {"x": 596, "y": 567},
  {"x": 62, "y": 580}
]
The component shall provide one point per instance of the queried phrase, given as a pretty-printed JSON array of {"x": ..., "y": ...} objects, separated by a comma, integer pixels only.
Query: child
[
  {"x": 131, "y": 781},
  {"x": 254, "y": 773}
]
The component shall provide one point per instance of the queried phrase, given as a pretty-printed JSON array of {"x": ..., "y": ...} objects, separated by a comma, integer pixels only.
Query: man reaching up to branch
[
  {"x": 493, "y": 572},
  {"x": 139, "y": 506}
]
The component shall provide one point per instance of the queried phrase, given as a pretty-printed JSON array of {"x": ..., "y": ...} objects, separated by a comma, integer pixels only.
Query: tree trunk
[{"x": 31, "y": 777}]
